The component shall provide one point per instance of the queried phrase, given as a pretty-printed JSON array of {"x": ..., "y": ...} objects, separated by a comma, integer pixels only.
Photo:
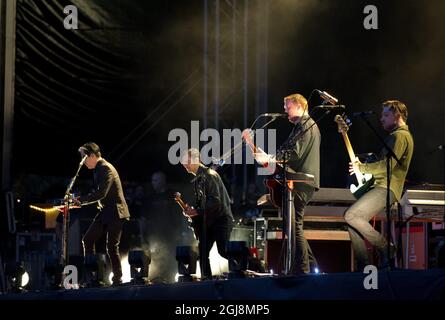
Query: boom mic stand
[{"x": 67, "y": 201}]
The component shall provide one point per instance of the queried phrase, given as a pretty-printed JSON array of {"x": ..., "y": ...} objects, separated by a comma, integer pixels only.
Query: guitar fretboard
[{"x": 351, "y": 153}]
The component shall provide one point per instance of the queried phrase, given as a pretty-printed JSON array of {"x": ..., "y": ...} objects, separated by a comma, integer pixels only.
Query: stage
[{"x": 390, "y": 285}]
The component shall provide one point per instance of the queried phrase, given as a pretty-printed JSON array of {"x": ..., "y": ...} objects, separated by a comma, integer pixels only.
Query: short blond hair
[{"x": 297, "y": 98}]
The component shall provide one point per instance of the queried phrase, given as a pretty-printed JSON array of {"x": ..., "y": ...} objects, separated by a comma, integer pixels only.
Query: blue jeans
[{"x": 358, "y": 216}]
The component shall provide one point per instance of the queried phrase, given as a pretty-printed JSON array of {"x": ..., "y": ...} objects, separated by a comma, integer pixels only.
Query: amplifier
[
  {"x": 423, "y": 204},
  {"x": 329, "y": 241}
]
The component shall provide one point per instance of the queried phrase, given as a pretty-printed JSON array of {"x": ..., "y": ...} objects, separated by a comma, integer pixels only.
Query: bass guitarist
[{"x": 393, "y": 120}]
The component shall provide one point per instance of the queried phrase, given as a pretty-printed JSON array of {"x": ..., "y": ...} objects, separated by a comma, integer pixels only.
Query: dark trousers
[
  {"x": 358, "y": 216},
  {"x": 113, "y": 230},
  {"x": 304, "y": 256},
  {"x": 219, "y": 232}
]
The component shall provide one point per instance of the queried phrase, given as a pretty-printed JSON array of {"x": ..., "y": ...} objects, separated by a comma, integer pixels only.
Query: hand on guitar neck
[
  {"x": 354, "y": 167},
  {"x": 260, "y": 156}
]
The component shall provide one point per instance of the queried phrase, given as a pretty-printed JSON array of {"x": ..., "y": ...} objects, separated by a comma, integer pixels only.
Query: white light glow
[{"x": 25, "y": 279}]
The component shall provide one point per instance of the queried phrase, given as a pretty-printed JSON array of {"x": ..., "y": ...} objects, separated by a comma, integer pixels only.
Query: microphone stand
[
  {"x": 67, "y": 201},
  {"x": 390, "y": 154},
  {"x": 221, "y": 161}
]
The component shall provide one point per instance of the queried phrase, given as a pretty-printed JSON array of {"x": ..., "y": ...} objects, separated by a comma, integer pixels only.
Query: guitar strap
[{"x": 292, "y": 139}]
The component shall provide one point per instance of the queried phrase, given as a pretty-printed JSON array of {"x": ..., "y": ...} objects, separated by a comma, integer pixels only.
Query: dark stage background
[{"x": 134, "y": 70}]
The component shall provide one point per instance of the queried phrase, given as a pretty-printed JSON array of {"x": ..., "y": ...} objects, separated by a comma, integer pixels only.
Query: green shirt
[{"x": 402, "y": 144}]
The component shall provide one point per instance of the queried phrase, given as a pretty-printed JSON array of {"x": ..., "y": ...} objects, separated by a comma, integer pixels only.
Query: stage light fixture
[
  {"x": 139, "y": 261},
  {"x": 187, "y": 256},
  {"x": 16, "y": 276}
]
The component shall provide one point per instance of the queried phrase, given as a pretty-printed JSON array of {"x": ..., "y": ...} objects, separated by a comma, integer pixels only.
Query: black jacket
[
  {"x": 108, "y": 193},
  {"x": 212, "y": 198},
  {"x": 305, "y": 151}
]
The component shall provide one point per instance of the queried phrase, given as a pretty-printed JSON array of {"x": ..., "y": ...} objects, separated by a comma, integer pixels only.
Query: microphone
[
  {"x": 275, "y": 115},
  {"x": 327, "y": 97},
  {"x": 83, "y": 160},
  {"x": 438, "y": 148},
  {"x": 218, "y": 162},
  {"x": 328, "y": 107},
  {"x": 363, "y": 113}
]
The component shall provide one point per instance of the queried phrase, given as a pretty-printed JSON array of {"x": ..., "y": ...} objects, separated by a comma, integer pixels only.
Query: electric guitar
[
  {"x": 274, "y": 182},
  {"x": 195, "y": 222},
  {"x": 365, "y": 181}
]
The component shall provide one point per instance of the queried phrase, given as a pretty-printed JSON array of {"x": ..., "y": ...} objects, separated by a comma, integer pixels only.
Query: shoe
[
  {"x": 386, "y": 262},
  {"x": 116, "y": 283}
]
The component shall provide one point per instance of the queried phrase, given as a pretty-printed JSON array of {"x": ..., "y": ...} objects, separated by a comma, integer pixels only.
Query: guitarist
[
  {"x": 393, "y": 120},
  {"x": 212, "y": 210},
  {"x": 303, "y": 156}
]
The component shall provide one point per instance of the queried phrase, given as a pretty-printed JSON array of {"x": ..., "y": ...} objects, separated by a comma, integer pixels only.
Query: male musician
[
  {"x": 301, "y": 151},
  {"x": 212, "y": 209},
  {"x": 112, "y": 207},
  {"x": 393, "y": 120}
]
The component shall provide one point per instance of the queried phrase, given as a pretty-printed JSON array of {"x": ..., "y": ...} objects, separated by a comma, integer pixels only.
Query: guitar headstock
[
  {"x": 177, "y": 196},
  {"x": 343, "y": 123}
]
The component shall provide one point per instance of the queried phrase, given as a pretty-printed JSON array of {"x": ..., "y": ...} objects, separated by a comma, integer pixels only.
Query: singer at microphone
[{"x": 107, "y": 194}]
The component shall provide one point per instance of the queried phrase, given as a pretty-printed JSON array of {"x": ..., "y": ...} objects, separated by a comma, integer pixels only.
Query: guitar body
[
  {"x": 275, "y": 191},
  {"x": 363, "y": 186},
  {"x": 195, "y": 223}
]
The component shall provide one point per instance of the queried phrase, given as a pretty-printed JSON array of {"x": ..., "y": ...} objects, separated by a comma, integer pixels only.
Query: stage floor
[{"x": 388, "y": 285}]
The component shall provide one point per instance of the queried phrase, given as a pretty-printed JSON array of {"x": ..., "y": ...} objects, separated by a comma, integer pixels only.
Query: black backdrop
[{"x": 102, "y": 81}]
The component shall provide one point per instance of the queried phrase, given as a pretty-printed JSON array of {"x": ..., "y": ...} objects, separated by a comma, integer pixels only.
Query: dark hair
[
  {"x": 90, "y": 148},
  {"x": 397, "y": 107}
]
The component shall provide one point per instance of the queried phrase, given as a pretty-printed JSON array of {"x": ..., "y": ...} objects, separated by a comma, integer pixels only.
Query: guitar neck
[
  {"x": 181, "y": 203},
  {"x": 252, "y": 146},
  {"x": 348, "y": 146},
  {"x": 351, "y": 153}
]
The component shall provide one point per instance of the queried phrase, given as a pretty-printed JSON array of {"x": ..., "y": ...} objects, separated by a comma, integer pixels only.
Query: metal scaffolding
[
  {"x": 7, "y": 63},
  {"x": 234, "y": 64}
]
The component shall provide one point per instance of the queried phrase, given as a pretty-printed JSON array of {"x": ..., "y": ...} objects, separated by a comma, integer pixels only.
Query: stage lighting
[
  {"x": 139, "y": 261},
  {"x": 187, "y": 256},
  {"x": 95, "y": 265},
  {"x": 238, "y": 256},
  {"x": 16, "y": 276}
]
